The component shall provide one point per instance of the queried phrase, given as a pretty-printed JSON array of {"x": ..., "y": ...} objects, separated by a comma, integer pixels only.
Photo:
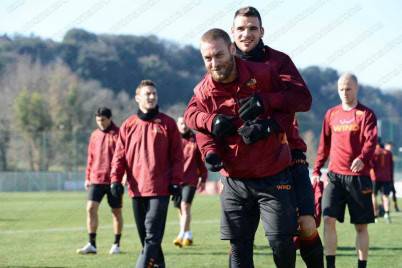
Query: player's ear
[
  {"x": 262, "y": 32},
  {"x": 232, "y": 49}
]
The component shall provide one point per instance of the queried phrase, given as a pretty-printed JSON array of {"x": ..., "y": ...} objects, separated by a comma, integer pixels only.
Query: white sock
[
  {"x": 181, "y": 234},
  {"x": 188, "y": 235}
]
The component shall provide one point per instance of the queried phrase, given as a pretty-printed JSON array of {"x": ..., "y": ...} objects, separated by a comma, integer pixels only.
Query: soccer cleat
[
  {"x": 115, "y": 249},
  {"x": 87, "y": 249},
  {"x": 178, "y": 242},
  {"x": 187, "y": 242}
]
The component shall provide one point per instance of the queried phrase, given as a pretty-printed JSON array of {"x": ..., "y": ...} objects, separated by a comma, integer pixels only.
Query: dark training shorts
[
  {"x": 187, "y": 193},
  {"x": 384, "y": 186},
  {"x": 97, "y": 191},
  {"x": 245, "y": 201},
  {"x": 355, "y": 191}
]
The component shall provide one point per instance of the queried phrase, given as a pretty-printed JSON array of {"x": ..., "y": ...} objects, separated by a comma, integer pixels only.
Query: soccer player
[
  {"x": 195, "y": 175},
  {"x": 243, "y": 140},
  {"x": 348, "y": 138},
  {"x": 247, "y": 32},
  {"x": 388, "y": 146},
  {"x": 380, "y": 173},
  {"x": 149, "y": 151},
  {"x": 102, "y": 144}
]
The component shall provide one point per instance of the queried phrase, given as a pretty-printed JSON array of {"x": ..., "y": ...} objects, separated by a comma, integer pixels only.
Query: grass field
[{"x": 45, "y": 229}]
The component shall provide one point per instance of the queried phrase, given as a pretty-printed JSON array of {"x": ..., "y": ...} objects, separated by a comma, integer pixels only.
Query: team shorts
[
  {"x": 354, "y": 191},
  {"x": 245, "y": 201},
  {"x": 384, "y": 186},
  {"x": 303, "y": 189},
  {"x": 96, "y": 192},
  {"x": 187, "y": 193}
]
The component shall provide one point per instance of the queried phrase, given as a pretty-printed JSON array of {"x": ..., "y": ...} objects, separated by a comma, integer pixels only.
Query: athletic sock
[
  {"x": 330, "y": 261},
  {"x": 92, "y": 239},
  {"x": 117, "y": 239},
  {"x": 361, "y": 263},
  {"x": 311, "y": 251},
  {"x": 188, "y": 235},
  {"x": 181, "y": 234}
]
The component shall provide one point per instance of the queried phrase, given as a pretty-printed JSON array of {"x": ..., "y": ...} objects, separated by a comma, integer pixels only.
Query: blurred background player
[
  {"x": 380, "y": 173},
  {"x": 194, "y": 177},
  {"x": 149, "y": 151},
  {"x": 102, "y": 144},
  {"x": 388, "y": 146},
  {"x": 348, "y": 138}
]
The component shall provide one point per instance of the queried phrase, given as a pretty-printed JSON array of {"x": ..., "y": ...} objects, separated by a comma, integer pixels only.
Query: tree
[{"x": 33, "y": 119}]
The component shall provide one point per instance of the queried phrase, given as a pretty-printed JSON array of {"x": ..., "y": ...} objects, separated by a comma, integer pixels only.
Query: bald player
[{"x": 348, "y": 139}]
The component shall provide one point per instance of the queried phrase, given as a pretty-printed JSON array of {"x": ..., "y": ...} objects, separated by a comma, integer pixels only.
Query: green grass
[{"x": 45, "y": 229}]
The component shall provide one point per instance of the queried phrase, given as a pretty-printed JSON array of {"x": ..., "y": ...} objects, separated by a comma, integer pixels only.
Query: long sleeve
[
  {"x": 89, "y": 160},
  {"x": 196, "y": 119},
  {"x": 294, "y": 96},
  {"x": 370, "y": 135},
  {"x": 119, "y": 158},
  {"x": 324, "y": 146},
  {"x": 175, "y": 154}
]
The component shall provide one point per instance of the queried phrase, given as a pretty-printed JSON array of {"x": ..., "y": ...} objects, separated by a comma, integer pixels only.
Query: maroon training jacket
[
  {"x": 150, "y": 153},
  {"x": 100, "y": 153}
]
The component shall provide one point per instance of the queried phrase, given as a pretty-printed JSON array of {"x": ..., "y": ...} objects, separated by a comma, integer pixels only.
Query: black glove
[
  {"x": 251, "y": 108},
  {"x": 213, "y": 162},
  {"x": 116, "y": 189},
  {"x": 222, "y": 126},
  {"x": 253, "y": 131},
  {"x": 175, "y": 191}
]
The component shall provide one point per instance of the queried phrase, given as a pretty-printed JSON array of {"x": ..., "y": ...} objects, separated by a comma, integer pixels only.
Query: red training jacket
[
  {"x": 291, "y": 77},
  {"x": 100, "y": 153},
  {"x": 194, "y": 167},
  {"x": 381, "y": 164},
  {"x": 345, "y": 136},
  {"x": 263, "y": 158},
  {"x": 150, "y": 153}
]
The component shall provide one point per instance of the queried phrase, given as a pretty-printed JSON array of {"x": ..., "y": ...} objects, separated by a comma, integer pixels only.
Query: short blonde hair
[{"x": 144, "y": 83}]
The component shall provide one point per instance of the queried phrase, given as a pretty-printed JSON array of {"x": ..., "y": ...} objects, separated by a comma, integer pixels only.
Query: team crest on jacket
[
  {"x": 157, "y": 121},
  {"x": 359, "y": 113},
  {"x": 252, "y": 83}
]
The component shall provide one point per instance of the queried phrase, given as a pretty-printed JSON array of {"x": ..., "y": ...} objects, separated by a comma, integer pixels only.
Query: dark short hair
[
  {"x": 104, "y": 111},
  {"x": 248, "y": 12},
  {"x": 215, "y": 34},
  {"x": 145, "y": 83}
]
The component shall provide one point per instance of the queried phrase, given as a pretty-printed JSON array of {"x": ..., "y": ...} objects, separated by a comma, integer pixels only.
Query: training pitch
[{"x": 45, "y": 229}]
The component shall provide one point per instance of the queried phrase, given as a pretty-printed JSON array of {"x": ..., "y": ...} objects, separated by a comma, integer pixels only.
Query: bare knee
[
  {"x": 361, "y": 228},
  {"x": 116, "y": 212},
  {"x": 329, "y": 222},
  {"x": 92, "y": 208},
  {"x": 185, "y": 208}
]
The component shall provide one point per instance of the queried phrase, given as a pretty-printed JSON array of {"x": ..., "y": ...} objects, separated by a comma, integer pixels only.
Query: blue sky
[{"x": 364, "y": 37}]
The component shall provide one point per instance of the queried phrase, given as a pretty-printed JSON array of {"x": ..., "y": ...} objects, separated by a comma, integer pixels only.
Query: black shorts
[
  {"x": 244, "y": 201},
  {"x": 355, "y": 191},
  {"x": 187, "y": 193},
  {"x": 97, "y": 191},
  {"x": 303, "y": 189},
  {"x": 384, "y": 186}
]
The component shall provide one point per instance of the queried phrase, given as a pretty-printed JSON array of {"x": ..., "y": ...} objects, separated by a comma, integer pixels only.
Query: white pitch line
[{"x": 74, "y": 229}]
